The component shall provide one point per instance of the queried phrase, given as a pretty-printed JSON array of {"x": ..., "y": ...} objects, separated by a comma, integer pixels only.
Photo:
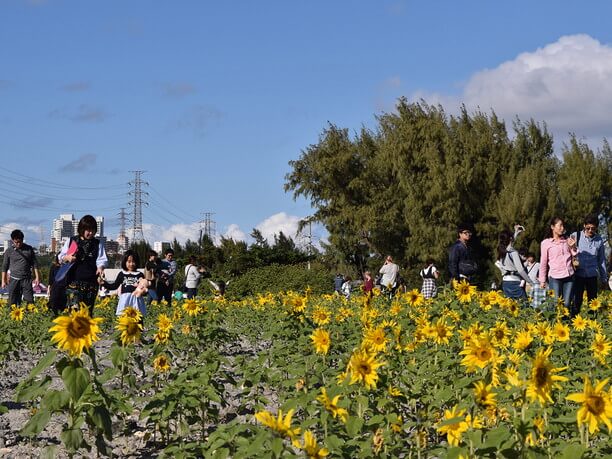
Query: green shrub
[{"x": 277, "y": 278}]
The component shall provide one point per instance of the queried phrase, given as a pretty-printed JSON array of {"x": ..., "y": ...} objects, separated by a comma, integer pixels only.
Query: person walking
[
  {"x": 17, "y": 266},
  {"x": 89, "y": 260},
  {"x": 556, "y": 267},
  {"x": 192, "y": 277},
  {"x": 389, "y": 271},
  {"x": 429, "y": 274},
  {"x": 461, "y": 265},
  {"x": 591, "y": 262},
  {"x": 509, "y": 262},
  {"x": 165, "y": 286}
]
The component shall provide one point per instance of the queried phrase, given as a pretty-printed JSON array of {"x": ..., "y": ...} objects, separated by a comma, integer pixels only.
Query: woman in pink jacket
[{"x": 556, "y": 262}]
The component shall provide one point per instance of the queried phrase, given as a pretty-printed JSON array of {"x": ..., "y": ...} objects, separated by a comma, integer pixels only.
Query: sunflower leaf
[{"x": 76, "y": 380}]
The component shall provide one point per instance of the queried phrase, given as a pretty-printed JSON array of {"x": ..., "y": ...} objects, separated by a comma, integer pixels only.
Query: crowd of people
[
  {"x": 569, "y": 265},
  {"x": 77, "y": 274}
]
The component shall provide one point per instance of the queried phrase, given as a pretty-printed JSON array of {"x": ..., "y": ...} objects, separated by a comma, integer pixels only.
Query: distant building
[
  {"x": 124, "y": 243},
  {"x": 4, "y": 246},
  {"x": 111, "y": 247},
  {"x": 161, "y": 246}
]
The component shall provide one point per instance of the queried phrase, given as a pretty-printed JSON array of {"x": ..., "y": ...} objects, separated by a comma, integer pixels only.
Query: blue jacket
[{"x": 592, "y": 257}]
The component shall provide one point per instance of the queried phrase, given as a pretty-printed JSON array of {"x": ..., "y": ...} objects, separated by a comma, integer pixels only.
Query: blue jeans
[
  {"x": 513, "y": 289},
  {"x": 563, "y": 288}
]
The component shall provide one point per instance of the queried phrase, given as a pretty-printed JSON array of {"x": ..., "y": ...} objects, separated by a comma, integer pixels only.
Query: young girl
[
  {"x": 429, "y": 274},
  {"x": 368, "y": 283},
  {"x": 556, "y": 262},
  {"x": 128, "y": 281}
]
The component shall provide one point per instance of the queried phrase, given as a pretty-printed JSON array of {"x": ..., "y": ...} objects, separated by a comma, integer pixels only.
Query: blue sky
[{"x": 213, "y": 99}]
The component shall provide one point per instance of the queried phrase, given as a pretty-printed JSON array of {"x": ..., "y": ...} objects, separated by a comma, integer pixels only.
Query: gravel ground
[{"x": 131, "y": 438}]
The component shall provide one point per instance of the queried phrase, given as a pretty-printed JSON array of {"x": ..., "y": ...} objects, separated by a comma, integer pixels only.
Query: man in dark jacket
[
  {"x": 460, "y": 262},
  {"x": 20, "y": 260}
]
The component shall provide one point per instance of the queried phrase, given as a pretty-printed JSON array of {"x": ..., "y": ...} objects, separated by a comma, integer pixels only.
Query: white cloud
[
  {"x": 269, "y": 227},
  {"x": 565, "y": 84},
  {"x": 234, "y": 232},
  {"x": 288, "y": 224},
  {"x": 180, "y": 231}
]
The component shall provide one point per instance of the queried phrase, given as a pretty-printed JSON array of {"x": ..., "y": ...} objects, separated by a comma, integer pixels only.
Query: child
[
  {"x": 130, "y": 284},
  {"x": 368, "y": 283},
  {"x": 429, "y": 275},
  {"x": 347, "y": 287}
]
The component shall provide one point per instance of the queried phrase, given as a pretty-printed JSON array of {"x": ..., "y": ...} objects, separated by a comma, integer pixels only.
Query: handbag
[
  {"x": 63, "y": 271},
  {"x": 65, "y": 268},
  {"x": 467, "y": 267}
]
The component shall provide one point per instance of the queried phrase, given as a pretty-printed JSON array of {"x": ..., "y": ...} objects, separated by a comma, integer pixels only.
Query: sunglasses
[{"x": 590, "y": 228}]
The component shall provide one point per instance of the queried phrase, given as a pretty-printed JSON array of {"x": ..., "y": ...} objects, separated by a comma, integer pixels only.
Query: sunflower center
[
  {"x": 364, "y": 368},
  {"x": 79, "y": 327},
  {"x": 541, "y": 376},
  {"x": 595, "y": 404},
  {"x": 483, "y": 354}
]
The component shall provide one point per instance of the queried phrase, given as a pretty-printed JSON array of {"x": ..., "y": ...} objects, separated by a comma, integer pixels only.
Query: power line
[{"x": 54, "y": 184}]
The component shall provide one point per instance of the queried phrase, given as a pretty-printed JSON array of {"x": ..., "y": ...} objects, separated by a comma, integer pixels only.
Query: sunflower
[
  {"x": 579, "y": 323},
  {"x": 75, "y": 332},
  {"x": 600, "y": 347},
  {"x": 280, "y": 424},
  {"x": 376, "y": 339},
  {"x": 191, "y": 307},
  {"x": 522, "y": 340},
  {"x": 595, "y": 304},
  {"x": 483, "y": 395},
  {"x": 17, "y": 313},
  {"x": 454, "y": 430},
  {"x": 596, "y": 405},
  {"x": 543, "y": 378},
  {"x": 161, "y": 363},
  {"x": 414, "y": 298},
  {"x": 512, "y": 376},
  {"x": 478, "y": 353},
  {"x": 362, "y": 367},
  {"x": 130, "y": 329},
  {"x": 164, "y": 323},
  {"x": 321, "y": 316},
  {"x": 331, "y": 405},
  {"x": 464, "y": 291},
  {"x": 320, "y": 340},
  {"x": 441, "y": 331},
  {"x": 310, "y": 447},
  {"x": 132, "y": 313},
  {"x": 500, "y": 334},
  {"x": 561, "y": 331}
]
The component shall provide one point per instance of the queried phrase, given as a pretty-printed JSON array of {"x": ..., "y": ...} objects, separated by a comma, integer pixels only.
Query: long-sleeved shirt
[
  {"x": 389, "y": 272},
  {"x": 512, "y": 267},
  {"x": 555, "y": 259},
  {"x": 20, "y": 261},
  {"x": 192, "y": 276},
  {"x": 592, "y": 256},
  {"x": 458, "y": 253}
]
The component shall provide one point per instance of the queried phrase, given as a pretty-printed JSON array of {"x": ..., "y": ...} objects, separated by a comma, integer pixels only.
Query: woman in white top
[
  {"x": 192, "y": 277},
  {"x": 511, "y": 266}
]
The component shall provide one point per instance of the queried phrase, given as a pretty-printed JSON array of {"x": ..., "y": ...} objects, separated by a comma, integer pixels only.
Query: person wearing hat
[{"x": 460, "y": 263}]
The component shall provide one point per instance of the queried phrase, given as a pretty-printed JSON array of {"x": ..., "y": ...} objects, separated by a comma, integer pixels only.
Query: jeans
[
  {"x": 18, "y": 288},
  {"x": 563, "y": 288},
  {"x": 191, "y": 293},
  {"x": 580, "y": 285},
  {"x": 513, "y": 289}
]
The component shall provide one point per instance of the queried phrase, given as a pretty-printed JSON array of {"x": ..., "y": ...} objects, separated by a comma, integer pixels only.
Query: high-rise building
[
  {"x": 100, "y": 222},
  {"x": 160, "y": 246}
]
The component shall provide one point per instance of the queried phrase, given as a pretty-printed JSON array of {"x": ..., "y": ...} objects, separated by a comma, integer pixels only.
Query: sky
[{"x": 212, "y": 99}]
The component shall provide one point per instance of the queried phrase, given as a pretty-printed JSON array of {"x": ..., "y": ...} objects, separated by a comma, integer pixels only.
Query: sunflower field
[{"x": 467, "y": 374}]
